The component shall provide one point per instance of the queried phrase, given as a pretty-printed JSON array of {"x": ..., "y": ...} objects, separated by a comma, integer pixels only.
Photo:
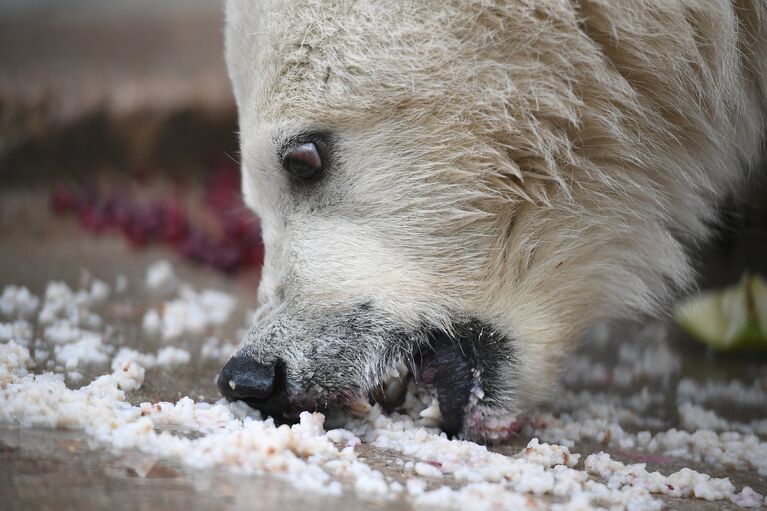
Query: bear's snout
[{"x": 260, "y": 385}]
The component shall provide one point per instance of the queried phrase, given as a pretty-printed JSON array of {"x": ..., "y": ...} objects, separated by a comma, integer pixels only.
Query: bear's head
[{"x": 441, "y": 187}]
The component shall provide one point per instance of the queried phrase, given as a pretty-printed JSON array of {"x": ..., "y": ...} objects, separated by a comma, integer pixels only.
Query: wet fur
[{"x": 532, "y": 166}]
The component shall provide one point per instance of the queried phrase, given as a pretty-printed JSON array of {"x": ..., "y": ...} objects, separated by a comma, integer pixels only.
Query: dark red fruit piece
[
  {"x": 122, "y": 210},
  {"x": 63, "y": 199},
  {"x": 237, "y": 247},
  {"x": 173, "y": 223},
  {"x": 227, "y": 257},
  {"x": 96, "y": 218}
]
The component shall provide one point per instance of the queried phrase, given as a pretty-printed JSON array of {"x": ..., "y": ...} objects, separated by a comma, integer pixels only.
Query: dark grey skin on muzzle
[{"x": 455, "y": 364}]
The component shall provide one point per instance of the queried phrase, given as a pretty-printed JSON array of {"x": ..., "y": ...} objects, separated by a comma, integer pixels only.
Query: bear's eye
[{"x": 303, "y": 161}]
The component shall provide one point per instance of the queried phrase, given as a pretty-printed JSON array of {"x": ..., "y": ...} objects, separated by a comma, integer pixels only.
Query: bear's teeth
[
  {"x": 432, "y": 411},
  {"x": 360, "y": 407},
  {"x": 394, "y": 393}
]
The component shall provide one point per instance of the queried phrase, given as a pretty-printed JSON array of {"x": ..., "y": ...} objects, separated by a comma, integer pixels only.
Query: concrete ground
[{"x": 43, "y": 469}]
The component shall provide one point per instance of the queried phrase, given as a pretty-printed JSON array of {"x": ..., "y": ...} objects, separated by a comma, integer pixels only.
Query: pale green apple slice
[
  {"x": 759, "y": 297},
  {"x": 729, "y": 319}
]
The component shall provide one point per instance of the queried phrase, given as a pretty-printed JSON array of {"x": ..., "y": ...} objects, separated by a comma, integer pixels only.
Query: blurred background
[{"x": 117, "y": 121}]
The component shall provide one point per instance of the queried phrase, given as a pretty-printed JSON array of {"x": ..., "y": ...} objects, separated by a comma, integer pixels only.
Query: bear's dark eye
[{"x": 303, "y": 161}]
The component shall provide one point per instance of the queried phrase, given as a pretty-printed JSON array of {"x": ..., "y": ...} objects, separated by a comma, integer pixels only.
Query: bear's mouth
[
  {"x": 452, "y": 368},
  {"x": 459, "y": 369},
  {"x": 446, "y": 363}
]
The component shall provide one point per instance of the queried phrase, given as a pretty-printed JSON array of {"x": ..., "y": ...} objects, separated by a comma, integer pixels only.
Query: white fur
[{"x": 536, "y": 165}]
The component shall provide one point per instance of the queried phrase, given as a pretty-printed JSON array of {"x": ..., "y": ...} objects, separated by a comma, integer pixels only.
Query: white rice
[
  {"x": 20, "y": 330},
  {"x": 87, "y": 350},
  {"x": 215, "y": 349},
  {"x": 128, "y": 366},
  {"x": 160, "y": 277},
  {"x": 17, "y": 302},
  {"x": 192, "y": 312}
]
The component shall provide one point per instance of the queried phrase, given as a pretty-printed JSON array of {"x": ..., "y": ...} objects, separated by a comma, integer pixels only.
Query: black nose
[{"x": 246, "y": 379}]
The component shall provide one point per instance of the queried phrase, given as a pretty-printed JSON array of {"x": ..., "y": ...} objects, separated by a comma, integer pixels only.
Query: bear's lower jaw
[
  {"x": 452, "y": 369},
  {"x": 463, "y": 366},
  {"x": 491, "y": 425},
  {"x": 460, "y": 367}
]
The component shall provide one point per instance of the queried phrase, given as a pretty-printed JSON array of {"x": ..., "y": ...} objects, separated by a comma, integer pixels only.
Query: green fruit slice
[
  {"x": 759, "y": 293},
  {"x": 733, "y": 318}
]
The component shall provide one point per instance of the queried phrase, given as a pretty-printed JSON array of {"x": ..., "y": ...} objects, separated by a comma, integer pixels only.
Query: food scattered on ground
[
  {"x": 191, "y": 313},
  {"x": 734, "y": 318},
  {"x": 128, "y": 366},
  {"x": 18, "y": 302},
  {"x": 161, "y": 278},
  {"x": 47, "y": 346},
  {"x": 215, "y": 230},
  {"x": 216, "y": 349}
]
